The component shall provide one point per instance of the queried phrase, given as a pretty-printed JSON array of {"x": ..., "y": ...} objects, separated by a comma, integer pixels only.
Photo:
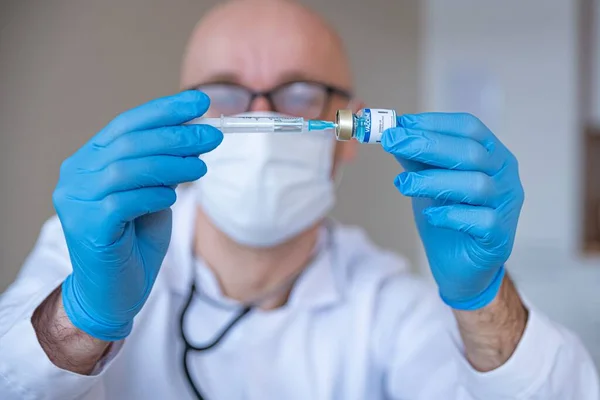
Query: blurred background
[{"x": 528, "y": 69}]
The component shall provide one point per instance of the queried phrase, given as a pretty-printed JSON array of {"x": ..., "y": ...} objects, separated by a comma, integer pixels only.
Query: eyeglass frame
[{"x": 330, "y": 91}]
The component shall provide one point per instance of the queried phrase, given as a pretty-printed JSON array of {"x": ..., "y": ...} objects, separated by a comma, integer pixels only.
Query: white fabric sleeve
[
  {"x": 25, "y": 370},
  {"x": 416, "y": 343},
  {"x": 549, "y": 363}
]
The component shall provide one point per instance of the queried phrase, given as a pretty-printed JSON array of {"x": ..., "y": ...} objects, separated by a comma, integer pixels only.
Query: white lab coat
[{"x": 357, "y": 326}]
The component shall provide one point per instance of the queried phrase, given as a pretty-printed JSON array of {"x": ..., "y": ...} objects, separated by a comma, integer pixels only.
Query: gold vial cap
[{"x": 344, "y": 120}]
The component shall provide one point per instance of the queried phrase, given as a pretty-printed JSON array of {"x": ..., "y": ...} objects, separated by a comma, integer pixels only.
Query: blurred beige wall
[{"x": 68, "y": 66}]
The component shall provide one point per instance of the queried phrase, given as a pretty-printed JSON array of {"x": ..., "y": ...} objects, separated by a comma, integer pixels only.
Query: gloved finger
[
  {"x": 467, "y": 187},
  {"x": 181, "y": 140},
  {"x": 410, "y": 165},
  {"x": 455, "y": 124},
  {"x": 440, "y": 150},
  {"x": 122, "y": 207},
  {"x": 477, "y": 221},
  {"x": 124, "y": 175},
  {"x": 165, "y": 111}
]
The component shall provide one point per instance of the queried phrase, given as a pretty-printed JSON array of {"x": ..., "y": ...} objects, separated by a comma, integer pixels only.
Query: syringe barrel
[{"x": 253, "y": 124}]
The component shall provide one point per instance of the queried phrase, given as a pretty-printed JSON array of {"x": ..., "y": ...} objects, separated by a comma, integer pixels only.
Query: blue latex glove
[
  {"x": 113, "y": 199},
  {"x": 467, "y": 197}
]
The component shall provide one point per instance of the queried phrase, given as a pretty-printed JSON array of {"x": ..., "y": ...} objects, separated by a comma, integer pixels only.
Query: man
[{"x": 258, "y": 296}]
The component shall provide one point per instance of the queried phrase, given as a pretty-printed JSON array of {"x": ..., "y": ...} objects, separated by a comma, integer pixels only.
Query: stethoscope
[
  {"x": 219, "y": 337},
  {"x": 241, "y": 314}
]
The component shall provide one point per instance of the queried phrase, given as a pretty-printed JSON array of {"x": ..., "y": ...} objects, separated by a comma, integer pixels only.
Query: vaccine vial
[{"x": 366, "y": 126}]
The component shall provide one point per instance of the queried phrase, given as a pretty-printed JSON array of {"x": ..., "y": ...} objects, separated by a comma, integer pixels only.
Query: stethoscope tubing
[{"x": 243, "y": 312}]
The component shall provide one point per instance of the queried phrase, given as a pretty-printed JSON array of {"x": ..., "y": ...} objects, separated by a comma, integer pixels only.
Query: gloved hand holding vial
[{"x": 466, "y": 192}]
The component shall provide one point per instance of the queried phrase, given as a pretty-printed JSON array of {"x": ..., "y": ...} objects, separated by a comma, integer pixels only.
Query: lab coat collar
[{"x": 318, "y": 286}]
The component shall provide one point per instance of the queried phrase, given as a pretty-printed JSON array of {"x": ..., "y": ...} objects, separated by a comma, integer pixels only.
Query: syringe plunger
[{"x": 247, "y": 124}]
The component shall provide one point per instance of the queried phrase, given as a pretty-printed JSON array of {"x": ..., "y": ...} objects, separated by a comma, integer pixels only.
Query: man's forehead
[{"x": 264, "y": 51}]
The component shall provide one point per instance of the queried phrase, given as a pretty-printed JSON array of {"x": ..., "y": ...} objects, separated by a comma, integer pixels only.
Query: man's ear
[{"x": 346, "y": 150}]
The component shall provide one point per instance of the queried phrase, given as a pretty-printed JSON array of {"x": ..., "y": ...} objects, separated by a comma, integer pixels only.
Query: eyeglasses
[{"x": 301, "y": 99}]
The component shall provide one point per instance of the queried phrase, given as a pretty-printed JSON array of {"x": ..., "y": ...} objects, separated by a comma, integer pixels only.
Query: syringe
[{"x": 264, "y": 124}]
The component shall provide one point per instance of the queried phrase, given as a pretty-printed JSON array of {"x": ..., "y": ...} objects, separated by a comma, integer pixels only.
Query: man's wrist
[
  {"x": 85, "y": 321},
  {"x": 491, "y": 334},
  {"x": 65, "y": 345}
]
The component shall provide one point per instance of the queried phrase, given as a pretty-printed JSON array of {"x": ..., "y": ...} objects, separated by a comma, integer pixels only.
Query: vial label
[{"x": 376, "y": 122}]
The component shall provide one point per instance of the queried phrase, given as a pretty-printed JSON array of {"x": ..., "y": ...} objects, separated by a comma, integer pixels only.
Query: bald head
[{"x": 263, "y": 43}]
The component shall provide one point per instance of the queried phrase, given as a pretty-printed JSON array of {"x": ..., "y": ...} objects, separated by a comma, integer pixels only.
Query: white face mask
[{"x": 262, "y": 189}]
